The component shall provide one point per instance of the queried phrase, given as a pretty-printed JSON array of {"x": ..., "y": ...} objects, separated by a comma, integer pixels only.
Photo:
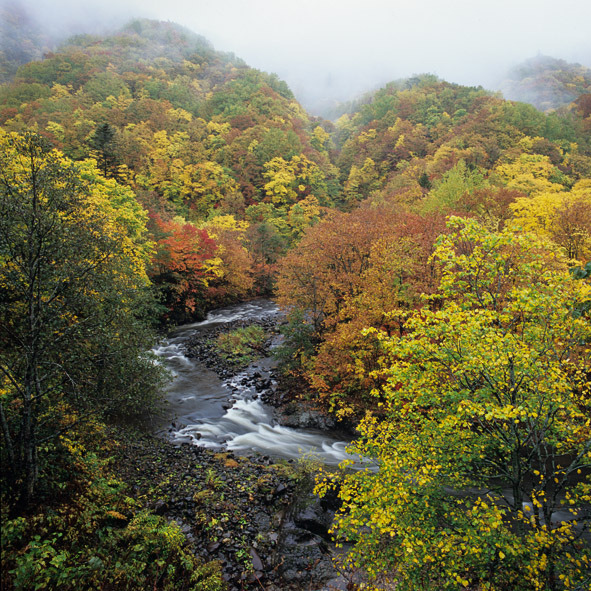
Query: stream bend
[{"x": 207, "y": 411}]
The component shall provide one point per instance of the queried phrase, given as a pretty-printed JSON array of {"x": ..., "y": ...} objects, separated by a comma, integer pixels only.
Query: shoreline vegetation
[
  {"x": 431, "y": 250},
  {"x": 234, "y": 521}
]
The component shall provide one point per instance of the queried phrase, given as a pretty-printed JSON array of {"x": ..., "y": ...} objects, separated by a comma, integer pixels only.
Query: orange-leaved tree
[{"x": 181, "y": 266}]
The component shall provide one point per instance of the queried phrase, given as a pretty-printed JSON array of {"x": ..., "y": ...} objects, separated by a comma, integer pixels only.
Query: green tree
[
  {"x": 457, "y": 182},
  {"x": 73, "y": 287},
  {"x": 483, "y": 453},
  {"x": 104, "y": 145}
]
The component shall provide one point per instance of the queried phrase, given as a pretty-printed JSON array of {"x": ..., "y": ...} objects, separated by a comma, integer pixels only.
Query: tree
[
  {"x": 329, "y": 268},
  {"x": 564, "y": 217},
  {"x": 399, "y": 269},
  {"x": 456, "y": 183},
  {"x": 234, "y": 279},
  {"x": 105, "y": 145},
  {"x": 483, "y": 455},
  {"x": 73, "y": 289},
  {"x": 205, "y": 185},
  {"x": 182, "y": 266},
  {"x": 532, "y": 174},
  {"x": 361, "y": 182},
  {"x": 289, "y": 181},
  {"x": 265, "y": 238}
]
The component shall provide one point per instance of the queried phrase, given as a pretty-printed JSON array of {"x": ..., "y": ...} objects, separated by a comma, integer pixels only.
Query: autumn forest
[{"x": 430, "y": 249}]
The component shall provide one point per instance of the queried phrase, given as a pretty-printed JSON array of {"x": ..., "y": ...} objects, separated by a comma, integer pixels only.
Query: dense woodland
[{"x": 432, "y": 251}]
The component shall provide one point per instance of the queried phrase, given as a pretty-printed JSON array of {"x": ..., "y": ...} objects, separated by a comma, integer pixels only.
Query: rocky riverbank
[
  {"x": 255, "y": 516},
  {"x": 276, "y": 390}
]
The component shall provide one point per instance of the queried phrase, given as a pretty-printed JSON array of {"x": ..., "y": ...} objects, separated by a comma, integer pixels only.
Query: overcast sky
[{"x": 333, "y": 49}]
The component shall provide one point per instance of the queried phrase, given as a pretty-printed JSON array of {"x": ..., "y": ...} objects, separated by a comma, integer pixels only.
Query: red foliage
[
  {"x": 7, "y": 113},
  {"x": 178, "y": 265},
  {"x": 584, "y": 105}
]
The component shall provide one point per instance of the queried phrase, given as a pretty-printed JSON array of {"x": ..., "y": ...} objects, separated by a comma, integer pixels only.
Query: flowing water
[
  {"x": 200, "y": 411},
  {"x": 207, "y": 411}
]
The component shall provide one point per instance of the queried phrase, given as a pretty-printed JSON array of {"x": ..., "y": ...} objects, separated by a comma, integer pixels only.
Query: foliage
[
  {"x": 424, "y": 142},
  {"x": 562, "y": 216},
  {"x": 74, "y": 301},
  {"x": 454, "y": 184},
  {"x": 99, "y": 538},
  {"x": 242, "y": 186},
  {"x": 482, "y": 463},
  {"x": 233, "y": 278},
  {"x": 299, "y": 342},
  {"x": 326, "y": 266},
  {"x": 241, "y": 345},
  {"x": 181, "y": 267},
  {"x": 351, "y": 271},
  {"x": 547, "y": 83},
  {"x": 162, "y": 111}
]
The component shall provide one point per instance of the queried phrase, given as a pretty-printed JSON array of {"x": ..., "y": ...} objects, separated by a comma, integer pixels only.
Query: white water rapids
[{"x": 197, "y": 398}]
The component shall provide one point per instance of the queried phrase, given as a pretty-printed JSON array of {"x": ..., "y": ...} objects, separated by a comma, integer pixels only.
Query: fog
[{"x": 330, "y": 50}]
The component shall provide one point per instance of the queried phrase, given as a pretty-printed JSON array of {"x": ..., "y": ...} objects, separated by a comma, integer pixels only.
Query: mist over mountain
[
  {"x": 329, "y": 52},
  {"x": 546, "y": 82}
]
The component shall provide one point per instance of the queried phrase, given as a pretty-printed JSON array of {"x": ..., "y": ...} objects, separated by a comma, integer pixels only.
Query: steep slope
[{"x": 162, "y": 110}]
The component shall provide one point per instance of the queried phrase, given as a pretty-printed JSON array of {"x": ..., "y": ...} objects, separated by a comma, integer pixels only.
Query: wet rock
[
  {"x": 159, "y": 507},
  {"x": 315, "y": 518},
  {"x": 247, "y": 504},
  {"x": 257, "y": 563},
  {"x": 298, "y": 417}
]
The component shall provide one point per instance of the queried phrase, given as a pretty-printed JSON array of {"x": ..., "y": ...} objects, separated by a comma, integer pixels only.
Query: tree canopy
[
  {"x": 73, "y": 256},
  {"x": 481, "y": 436}
]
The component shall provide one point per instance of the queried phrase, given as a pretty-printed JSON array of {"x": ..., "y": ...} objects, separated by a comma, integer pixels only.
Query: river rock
[
  {"x": 299, "y": 417},
  {"x": 315, "y": 518},
  {"x": 304, "y": 552},
  {"x": 257, "y": 563}
]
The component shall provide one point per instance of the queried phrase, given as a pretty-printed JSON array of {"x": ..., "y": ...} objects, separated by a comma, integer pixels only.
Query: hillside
[
  {"x": 411, "y": 133},
  {"x": 546, "y": 82},
  {"x": 430, "y": 251},
  {"x": 196, "y": 133},
  {"x": 158, "y": 78}
]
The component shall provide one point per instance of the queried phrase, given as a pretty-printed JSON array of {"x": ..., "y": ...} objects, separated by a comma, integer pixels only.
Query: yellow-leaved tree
[
  {"x": 73, "y": 298},
  {"x": 562, "y": 216},
  {"x": 481, "y": 452}
]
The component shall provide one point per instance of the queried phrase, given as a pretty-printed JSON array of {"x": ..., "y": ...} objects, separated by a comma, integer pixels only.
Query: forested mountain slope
[
  {"x": 430, "y": 248},
  {"x": 413, "y": 132},
  {"x": 158, "y": 78},
  {"x": 546, "y": 82},
  {"x": 196, "y": 134},
  {"x": 447, "y": 312}
]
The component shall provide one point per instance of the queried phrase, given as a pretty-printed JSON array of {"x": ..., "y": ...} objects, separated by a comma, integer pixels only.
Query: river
[{"x": 228, "y": 414}]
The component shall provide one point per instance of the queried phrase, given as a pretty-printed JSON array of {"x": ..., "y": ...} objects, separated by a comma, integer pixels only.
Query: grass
[{"x": 242, "y": 345}]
